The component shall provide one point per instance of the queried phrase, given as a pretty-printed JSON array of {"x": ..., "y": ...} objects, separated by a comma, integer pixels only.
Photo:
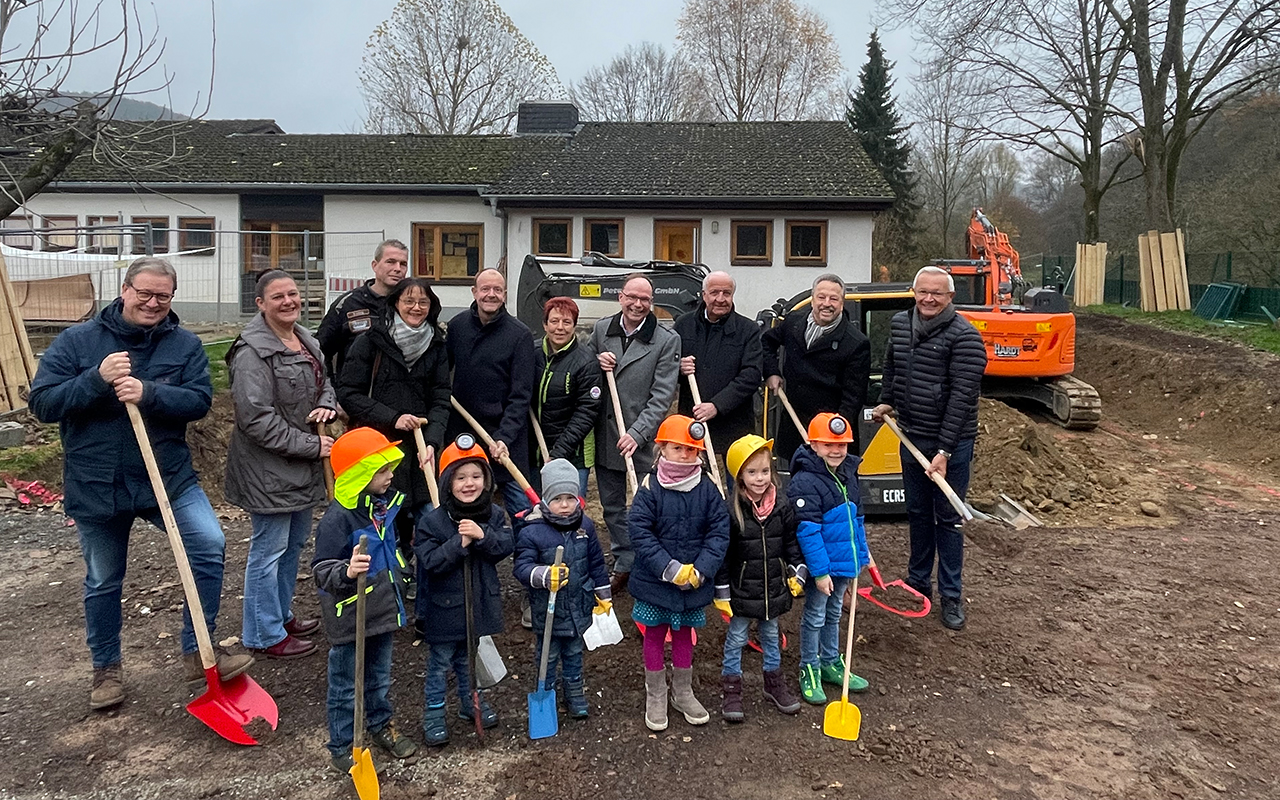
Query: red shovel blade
[
  {"x": 641, "y": 627},
  {"x": 228, "y": 706},
  {"x": 865, "y": 593}
]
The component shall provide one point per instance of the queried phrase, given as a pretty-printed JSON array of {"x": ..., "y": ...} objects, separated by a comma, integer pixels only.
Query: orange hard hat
[
  {"x": 465, "y": 446},
  {"x": 831, "y": 428},
  {"x": 354, "y": 446},
  {"x": 679, "y": 429}
]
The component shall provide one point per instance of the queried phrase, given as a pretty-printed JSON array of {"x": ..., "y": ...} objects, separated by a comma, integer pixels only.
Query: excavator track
[{"x": 1071, "y": 402}]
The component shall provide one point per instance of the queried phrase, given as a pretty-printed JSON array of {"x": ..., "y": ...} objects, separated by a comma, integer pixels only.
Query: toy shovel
[
  {"x": 543, "y": 721},
  {"x": 226, "y": 706},
  {"x": 865, "y": 593},
  {"x": 842, "y": 719},
  {"x": 362, "y": 770}
]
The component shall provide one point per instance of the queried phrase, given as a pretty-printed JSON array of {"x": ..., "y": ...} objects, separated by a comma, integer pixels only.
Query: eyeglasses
[
  {"x": 416, "y": 303},
  {"x": 638, "y": 298},
  {"x": 146, "y": 297},
  {"x": 935, "y": 295}
]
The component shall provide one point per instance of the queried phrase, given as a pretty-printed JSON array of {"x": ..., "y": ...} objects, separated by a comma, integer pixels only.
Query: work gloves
[
  {"x": 550, "y": 577},
  {"x": 682, "y": 575},
  {"x": 722, "y": 601}
]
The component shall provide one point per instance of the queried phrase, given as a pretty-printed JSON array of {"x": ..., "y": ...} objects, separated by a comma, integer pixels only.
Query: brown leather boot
[{"x": 108, "y": 687}]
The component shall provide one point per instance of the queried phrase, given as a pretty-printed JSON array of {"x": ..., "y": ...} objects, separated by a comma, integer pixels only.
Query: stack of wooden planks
[
  {"x": 1091, "y": 274},
  {"x": 17, "y": 365},
  {"x": 1163, "y": 261}
]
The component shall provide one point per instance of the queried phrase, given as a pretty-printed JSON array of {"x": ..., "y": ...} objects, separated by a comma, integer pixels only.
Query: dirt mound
[
  {"x": 209, "y": 439},
  {"x": 1057, "y": 475}
]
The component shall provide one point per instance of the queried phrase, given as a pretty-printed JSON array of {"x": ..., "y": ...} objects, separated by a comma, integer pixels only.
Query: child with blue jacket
[
  {"x": 581, "y": 583},
  {"x": 364, "y": 504},
  {"x": 824, "y": 491},
  {"x": 466, "y": 531}
]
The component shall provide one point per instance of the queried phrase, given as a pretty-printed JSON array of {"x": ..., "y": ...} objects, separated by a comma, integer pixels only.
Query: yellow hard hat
[{"x": 744, "y": 449}]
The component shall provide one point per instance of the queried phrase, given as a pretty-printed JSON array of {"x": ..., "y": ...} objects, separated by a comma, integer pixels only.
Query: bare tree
[
  {"x": 1188, "y": 62},
  {"x": 946, "y": 152},
  {"x": 762, "y": 59},
  {"x": 643, "y": 84},
  {"x": 1043, "y": 73},
  {"x": 44, "y": 125},
  {"x": 451, "y": 66}
]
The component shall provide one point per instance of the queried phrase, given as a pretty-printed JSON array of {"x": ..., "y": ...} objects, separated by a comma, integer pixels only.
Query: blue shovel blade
[{"x": 543, "y": 721}]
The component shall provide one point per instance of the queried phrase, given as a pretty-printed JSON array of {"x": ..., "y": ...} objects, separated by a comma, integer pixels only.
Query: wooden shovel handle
[
  {"x": 952, "y": 497},
  {"x": 357, "y": 740},
  {"x": 848, "y": 647},
  {"x": 542, "y": 440},
  {"x": 207, "y": 657},
  {"x": 633, "y": 485},
  {"x": 429, "y": 473},
  {"x": 488, "y": 440},
  {"x": 711, "y": 451},
  {"x": 791, "y": 412}
]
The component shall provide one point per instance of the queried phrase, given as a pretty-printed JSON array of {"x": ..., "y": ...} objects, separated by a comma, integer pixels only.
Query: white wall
[{"x": 848, "y": 247}]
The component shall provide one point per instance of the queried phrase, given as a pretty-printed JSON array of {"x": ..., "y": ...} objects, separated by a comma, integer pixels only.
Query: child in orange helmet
[
  {"x": 679, "y": 533},
  {"x": 824, "y": 491},
  {"x": 466, "y": 531},
  {"x": 364, "y": 504}
]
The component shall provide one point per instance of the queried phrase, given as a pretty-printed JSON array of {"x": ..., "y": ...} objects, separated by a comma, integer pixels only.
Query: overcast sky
[{"x": 295, "y": 61}]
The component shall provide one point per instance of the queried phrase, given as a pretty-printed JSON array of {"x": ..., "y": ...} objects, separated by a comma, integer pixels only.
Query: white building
[{"x": 774, "y": 204}]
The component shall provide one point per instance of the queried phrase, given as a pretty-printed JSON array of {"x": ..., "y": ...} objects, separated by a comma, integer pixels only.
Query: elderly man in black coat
[
  {"x": 825, "y": 362},
  {"x": 721, "y": 348},
  {"x": 493, "y": 357}
]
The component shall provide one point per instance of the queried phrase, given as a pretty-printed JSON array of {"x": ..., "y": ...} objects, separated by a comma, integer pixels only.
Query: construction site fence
[
  {"x": 1259, "y": 272},
  {"x": 65, "y": 275}
]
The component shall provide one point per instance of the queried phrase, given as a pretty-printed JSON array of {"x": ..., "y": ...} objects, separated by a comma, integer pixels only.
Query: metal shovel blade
[
  {"x": 543, "y": 721},
  {"x": 363, "y": 774},
  {"x": 842, "y": 720},
  {"x": 228, "y": 706}
]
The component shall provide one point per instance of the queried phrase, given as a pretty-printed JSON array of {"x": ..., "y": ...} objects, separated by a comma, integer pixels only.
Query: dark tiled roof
[
  {"x": 603, "y": 159},
  {"x": 747, "y": 159},
  {"x": 256, "y": 152}
]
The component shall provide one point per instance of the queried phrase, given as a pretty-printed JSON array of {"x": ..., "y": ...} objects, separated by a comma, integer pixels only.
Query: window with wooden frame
[
  {"x": 159, "y": 236},
  {"x": 105, "y": 241},
  {"x": 21, "y": 241},
  {"x": 552, "y": 237},
  {"x": 603, "y": 236},
  {"x": 752, "y": 243},
  {"x": 806, "y": 243},
  {"x": 196, "y": 234},
  {"x": 53, "y": 241},
  {"x": 448, "y": 253}
]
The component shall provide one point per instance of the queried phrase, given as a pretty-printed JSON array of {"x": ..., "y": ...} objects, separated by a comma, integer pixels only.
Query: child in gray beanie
[{"x": 559, "y": 521}]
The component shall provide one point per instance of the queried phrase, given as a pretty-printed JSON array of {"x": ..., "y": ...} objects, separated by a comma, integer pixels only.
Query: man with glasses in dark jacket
[{"x": 932, "y": 373}]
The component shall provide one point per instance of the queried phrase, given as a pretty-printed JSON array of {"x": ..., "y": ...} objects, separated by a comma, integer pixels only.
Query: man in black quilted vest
[{"x": 932, "y": 374}]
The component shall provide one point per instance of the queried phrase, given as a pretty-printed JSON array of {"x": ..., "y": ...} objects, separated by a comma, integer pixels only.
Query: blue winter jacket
[
  {"x": 831, "y": 533},
  {"x": 337, "y": 535},
  {"x": 103, "y": 473},
  {"x": 438, "y": 545},
  {"x": 536, "y": 545},
  {"x": 686, "y": 527}
]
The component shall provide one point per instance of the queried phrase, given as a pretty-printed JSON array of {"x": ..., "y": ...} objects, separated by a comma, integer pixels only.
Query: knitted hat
[
  {"x": 559, "y": 477},
  {"x": 356, "y": 456}
]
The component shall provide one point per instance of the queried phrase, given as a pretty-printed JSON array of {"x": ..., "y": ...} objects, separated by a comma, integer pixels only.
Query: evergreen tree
[{"x": 875, "y": 119}]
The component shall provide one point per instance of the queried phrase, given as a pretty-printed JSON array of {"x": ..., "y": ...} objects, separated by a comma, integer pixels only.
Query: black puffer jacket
[
  {"x": 422, "y": 389},
  {"x": 760, "y": 559},
  {"x": 566, "y": 399},
  {"x": 933, "y": 384},
  {"x": 831, "y": 375},
  {"x": 729, "y": 365},
  {"x": 350, "y": 315}
]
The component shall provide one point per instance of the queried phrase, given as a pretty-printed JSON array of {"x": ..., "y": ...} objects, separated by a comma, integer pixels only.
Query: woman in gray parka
[{"x": 274, "y": 465}]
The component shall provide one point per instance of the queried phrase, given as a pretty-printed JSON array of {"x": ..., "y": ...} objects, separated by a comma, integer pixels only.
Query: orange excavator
[{"x": 1030, "y": 333}]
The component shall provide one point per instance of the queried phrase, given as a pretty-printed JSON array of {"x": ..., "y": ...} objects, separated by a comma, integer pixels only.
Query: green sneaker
[
  {"x": 833, "y": 673},
  {"x": 811, "y": 686}
]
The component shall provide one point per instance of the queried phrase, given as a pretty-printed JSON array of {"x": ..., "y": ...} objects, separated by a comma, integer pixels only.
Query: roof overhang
[
  {"x": 190, "y": 187},
  {"x": 800, "y": 202}
]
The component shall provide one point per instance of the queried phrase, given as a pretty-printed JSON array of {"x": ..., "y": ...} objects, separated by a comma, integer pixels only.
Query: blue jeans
[
  {"x": 444, "y": 656},
  {"x": 736, "y": 639},
  {"x": 105, "y": 546},
  {"x": 820, "y": 624},
  {"x": 342, "y": 689},
  {"x": 936, "y": 528},
  {"x": 566, "y": 651},
  {"x": 515, "y": 501},
  {"x": 271, "y": 574}
]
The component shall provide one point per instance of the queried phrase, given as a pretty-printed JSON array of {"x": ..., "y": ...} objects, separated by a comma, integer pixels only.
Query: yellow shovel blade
[
  {"x": 363, "y": 773},
  {"x": 842, "y": 720}
]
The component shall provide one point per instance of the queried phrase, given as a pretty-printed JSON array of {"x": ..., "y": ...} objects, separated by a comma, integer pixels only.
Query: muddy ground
[{"x": 1110, "y": 655}]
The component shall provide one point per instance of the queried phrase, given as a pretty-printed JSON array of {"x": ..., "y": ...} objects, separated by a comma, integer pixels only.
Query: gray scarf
[
  {"x": 413, "y": 342},
  {"x": 813, "y": 331},
  {"x": 922, "y": 328}
]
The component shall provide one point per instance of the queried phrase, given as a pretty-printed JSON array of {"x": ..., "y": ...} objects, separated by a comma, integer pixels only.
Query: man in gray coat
[{"x": 644, "y": 358}]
